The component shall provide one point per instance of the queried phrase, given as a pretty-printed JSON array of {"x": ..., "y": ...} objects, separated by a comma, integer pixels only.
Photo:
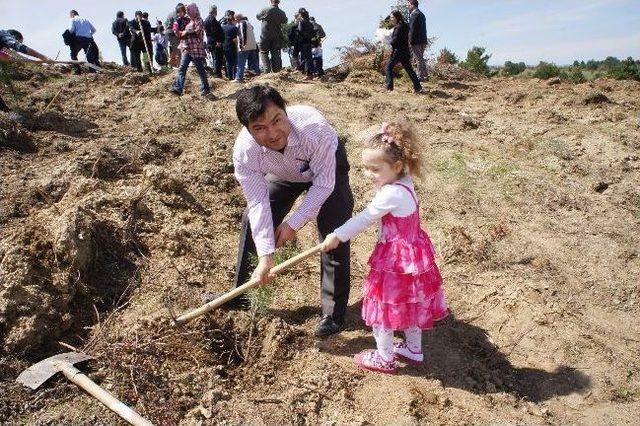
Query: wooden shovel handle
[
  {"x": 102, "y": 395},
  {"x": 245, "y": 287}
]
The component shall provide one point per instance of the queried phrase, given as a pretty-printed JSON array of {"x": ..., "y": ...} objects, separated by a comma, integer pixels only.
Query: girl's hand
[{"x": 330, "y": 243}]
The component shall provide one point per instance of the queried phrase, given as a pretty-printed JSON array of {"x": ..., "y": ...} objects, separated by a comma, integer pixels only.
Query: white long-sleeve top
[{"x": 391, "y": 198}]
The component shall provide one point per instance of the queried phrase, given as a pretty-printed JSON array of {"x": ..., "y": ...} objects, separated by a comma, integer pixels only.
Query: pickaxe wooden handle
[
  {"x": 110, "y": 401},
  {"x": 245, "y": 287}
]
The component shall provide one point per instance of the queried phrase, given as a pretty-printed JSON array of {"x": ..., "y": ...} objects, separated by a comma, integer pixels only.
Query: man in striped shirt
[{"x": 280, "y": 153}]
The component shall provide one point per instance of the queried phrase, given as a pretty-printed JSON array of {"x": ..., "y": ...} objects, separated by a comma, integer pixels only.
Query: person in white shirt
[
  {"x": 247, "y": 47},
  {"x": 281, "y": 153},
  {"x": 82, "y": 31},
  {"x": 160, "y": 46}
]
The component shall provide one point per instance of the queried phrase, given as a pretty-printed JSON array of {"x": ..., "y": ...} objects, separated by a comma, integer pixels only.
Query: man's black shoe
[{"x": 327, "y": 326}]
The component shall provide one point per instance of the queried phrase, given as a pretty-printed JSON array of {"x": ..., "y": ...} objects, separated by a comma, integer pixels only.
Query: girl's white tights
[{"x": 384, "y": 341}]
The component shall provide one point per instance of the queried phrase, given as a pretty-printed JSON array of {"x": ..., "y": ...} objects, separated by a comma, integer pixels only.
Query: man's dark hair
[
  {"x": 304, "y": 13},
  {"x": 253, "y": 102},
  {"x": 145, "y": 15},
  {"x": 414, "y": 3},
  {"x": 74, "y": 12},
  {"x": 138, "y": 13},
  {"x": 16, "y": 34},
  {"x": 120, "y": 14}
]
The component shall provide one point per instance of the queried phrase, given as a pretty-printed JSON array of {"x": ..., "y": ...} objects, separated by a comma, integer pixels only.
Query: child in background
[
  {"x": 161, "y": 47},
  {"x": 316, "y": 54},
  {"x": 403, "y": 290},
  {"x": 180, "y": 24}
]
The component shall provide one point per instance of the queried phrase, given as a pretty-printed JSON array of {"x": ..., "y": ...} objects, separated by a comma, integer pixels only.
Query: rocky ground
[{"x": 118, "y": 206}]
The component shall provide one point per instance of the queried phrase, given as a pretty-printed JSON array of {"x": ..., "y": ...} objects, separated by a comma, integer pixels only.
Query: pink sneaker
[
  {"x": 402, "y": 351},
  {"x": 373, "y": 361}
]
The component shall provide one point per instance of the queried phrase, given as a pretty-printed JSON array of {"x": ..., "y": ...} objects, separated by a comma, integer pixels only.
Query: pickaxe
[
  {"x": 40, "y": 372},
  {"x": 254, "y": 282}
]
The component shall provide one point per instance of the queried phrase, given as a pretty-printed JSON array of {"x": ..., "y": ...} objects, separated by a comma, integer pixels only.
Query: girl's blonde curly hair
[{"x": 398, "y": 141}]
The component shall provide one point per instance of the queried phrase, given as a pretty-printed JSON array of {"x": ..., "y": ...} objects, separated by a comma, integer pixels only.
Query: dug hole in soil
[{"x": 119, "y": 208}]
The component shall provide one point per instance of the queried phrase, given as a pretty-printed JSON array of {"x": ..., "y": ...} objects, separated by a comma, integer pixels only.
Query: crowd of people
[
  {"x": 229, "y": 46},
  {"x": 230, "y": 43}
]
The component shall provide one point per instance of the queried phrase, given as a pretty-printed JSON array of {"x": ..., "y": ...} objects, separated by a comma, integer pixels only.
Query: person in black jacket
[
  {"x": 230, "y": 44},
  {"x": 400, "y": 51},
  {"x": 138, "y": 36},
  {"x": 306, "y": 35},
  {"x": 215, "y": 38},
  {"x": 271, "y": 36},
  {"x": 294, "y": 46},
  {"x": 418, "y": 38},
  {"x": 120, "y": 29}
]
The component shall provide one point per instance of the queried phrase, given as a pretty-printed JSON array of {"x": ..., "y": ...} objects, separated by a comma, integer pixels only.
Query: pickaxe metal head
[{"x": 34, "y": 376}]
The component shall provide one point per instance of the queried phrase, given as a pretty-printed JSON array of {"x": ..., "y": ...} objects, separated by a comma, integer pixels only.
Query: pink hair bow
[{"x": 385, "y": 133}]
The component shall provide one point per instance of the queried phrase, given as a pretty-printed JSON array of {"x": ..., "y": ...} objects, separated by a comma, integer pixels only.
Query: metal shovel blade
[{"x": 34, "y": 376}]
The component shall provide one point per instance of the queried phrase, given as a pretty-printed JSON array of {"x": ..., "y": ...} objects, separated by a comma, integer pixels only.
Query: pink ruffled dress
[{"x": 404, "y": 286}]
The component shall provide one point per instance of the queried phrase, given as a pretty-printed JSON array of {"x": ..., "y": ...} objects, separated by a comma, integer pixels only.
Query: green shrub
[
  {"x": 592, "y": 64},
  {"x": 477, "y": 61},
  {"x": 624, "y": 70},
  {"x": 546, "y": 70},
  {"x": 610, "y": 62},
  {"x": 447, "y": 57},
  {"x": 575, "y": 75},
  {"x": 511, "y": 68}
]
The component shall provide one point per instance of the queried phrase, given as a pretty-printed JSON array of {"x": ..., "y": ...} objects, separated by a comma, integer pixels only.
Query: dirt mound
[
  {"x": 51, "y": 276},
  {"x": 596, "y": 98},
  {"x": 191, "y": 370},
  {"x": 13, "y": 135}
]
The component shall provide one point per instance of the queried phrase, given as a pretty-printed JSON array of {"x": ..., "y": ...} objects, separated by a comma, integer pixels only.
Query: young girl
[{"x": 403, "y": 290}]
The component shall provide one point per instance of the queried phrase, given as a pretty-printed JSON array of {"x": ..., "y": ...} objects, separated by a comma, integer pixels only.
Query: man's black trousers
[{"x": 337, "y": 209}]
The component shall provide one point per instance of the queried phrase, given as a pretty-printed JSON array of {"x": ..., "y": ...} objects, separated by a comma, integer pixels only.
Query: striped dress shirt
[{"x": 308, "y": 157}]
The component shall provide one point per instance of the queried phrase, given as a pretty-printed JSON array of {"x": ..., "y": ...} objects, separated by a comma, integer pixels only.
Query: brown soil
[{"x": 119, "y": 206}]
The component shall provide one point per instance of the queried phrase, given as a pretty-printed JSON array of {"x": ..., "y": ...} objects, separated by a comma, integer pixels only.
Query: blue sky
[{"x": 517, "y": 30}]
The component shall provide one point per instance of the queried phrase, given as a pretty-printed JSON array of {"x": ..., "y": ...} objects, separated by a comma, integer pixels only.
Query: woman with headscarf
[
  {"x": 400, "y": 52},
  {"x": 192, "y": 40}
]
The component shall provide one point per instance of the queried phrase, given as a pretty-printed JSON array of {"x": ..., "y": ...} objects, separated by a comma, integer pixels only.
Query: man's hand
[
  {"x": 262, "y": 270},
  {"x": 284, "y": 234},
  {"x": 330, "y": 243}
]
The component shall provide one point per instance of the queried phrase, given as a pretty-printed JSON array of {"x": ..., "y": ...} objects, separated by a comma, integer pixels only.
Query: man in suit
[
  {"x": 418, "y": 38},
  {"x": 215, "y": 39},
  {"x": 271, "y": 37}
]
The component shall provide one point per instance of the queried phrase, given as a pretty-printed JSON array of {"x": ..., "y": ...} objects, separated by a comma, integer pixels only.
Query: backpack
[{"x": 68, "y": 37}]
